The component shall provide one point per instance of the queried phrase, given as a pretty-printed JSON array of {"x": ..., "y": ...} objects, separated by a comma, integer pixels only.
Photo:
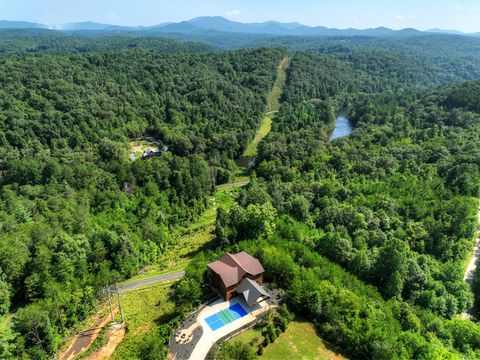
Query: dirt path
[
  {"x": 472, "y": 267},
  {"x": 271, "y": 112},
  {"x": 232, "y": 185},
  {"x": 85, "y": 338},
  {"x": 115, "y": 336},
  {"x": 283, "y": 64}
]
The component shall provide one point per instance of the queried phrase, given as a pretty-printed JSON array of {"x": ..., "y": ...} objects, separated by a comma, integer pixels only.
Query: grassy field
[
  {"x": 189, "y": 240},
  {"x": 273, "y": 105},
  {"x": 143, "y": 310},
  {"x": 273, "y": 98},
  {"x": 300, "y": 341},
  {"x": 265, "y": 128}
]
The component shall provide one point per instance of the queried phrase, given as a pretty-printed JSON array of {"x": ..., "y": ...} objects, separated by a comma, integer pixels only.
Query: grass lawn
[
  {"x": 189, "y": 240},
  {"x": 142, "y": 310},
  {"x": 300, "y": 341}
]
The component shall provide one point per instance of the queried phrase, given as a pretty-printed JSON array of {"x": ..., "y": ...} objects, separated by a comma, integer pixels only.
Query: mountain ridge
[{"x": 221, "y": 24}]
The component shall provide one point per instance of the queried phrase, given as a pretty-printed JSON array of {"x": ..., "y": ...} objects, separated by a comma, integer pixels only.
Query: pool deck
[{"x": 209, "y": 336}]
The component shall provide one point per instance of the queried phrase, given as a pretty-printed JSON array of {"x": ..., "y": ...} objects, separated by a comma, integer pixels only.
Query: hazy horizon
[{"x": 459, "y": 15}]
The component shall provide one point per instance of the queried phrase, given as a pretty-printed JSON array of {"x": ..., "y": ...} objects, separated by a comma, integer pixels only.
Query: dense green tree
[
  {"x": 4, "y": 296},
  {"x": 391, "y": 267},
  {"x": 153, "y": 348},
  {"x": 41, "y": 337},
  {"x": 250, "y": 223},
  {"x": 7, "y": 342},
  {"x": 235, "y": 351}
]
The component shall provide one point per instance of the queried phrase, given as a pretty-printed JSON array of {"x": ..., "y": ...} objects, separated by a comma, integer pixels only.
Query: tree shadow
[{"x": 207, "y": 246}]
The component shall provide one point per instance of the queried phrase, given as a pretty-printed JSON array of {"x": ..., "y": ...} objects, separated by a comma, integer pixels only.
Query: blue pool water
[{"x": 224, "y": 317}]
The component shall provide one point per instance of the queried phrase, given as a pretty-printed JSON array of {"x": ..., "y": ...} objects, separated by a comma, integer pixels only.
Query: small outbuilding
[{"x": 252, "y": 292}]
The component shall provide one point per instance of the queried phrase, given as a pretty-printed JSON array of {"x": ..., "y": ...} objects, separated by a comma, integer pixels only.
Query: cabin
[
  {"x": 238, "y": 274},
  {"x": 150, "y": 152}
]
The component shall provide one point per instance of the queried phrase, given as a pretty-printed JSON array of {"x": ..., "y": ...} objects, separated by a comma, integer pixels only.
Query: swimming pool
[{"x": 224, "y": 317}]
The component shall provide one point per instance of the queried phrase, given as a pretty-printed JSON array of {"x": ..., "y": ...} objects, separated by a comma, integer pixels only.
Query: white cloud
[
  {"x": 400, "y": 17},
  {"x": 412, "y": 17},
  {"x": 234, "y": 13},
  {"x": 459, "y": 8}
]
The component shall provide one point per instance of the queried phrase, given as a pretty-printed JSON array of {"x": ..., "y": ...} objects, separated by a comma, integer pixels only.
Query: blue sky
[{"x": 421, "y": 14}]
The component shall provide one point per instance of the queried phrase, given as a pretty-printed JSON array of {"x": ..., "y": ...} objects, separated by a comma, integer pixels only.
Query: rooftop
[
  {"x": 232, "y": 267},
  {"x": 252, "y": 292}
]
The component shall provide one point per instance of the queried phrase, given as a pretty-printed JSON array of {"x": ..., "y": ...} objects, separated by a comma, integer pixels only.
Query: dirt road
[
  {"x": 114, "y": 337},
  {"x": 472, "y": 267},
  {"x": 85, "y": 338},
  {"x": 232, "y": 185}
]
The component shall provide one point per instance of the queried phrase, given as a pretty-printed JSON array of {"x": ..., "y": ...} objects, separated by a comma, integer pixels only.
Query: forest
[
  {"x": 395, "y": 204},
  {"x": 14, "y": 42},
  {"x": 405, "y": 184},
  {"x": 76, "y": 213},
  {"x": 368, "y": 235}
]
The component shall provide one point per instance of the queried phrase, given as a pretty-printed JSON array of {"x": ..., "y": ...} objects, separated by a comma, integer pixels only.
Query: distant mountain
[
  {"x": 85, "y": 25},
  {"x": 291, "y": 26},
  {"x": 93, "y": 26},
  {"x": 451, "y": 32},
  {"x": 5, "y": 24},
  {"x": 375, "y": 32},
  {"x": 218, "y": 24},
  {"x": 221, "y": 25},
  {"x": 183, "y": 27}
]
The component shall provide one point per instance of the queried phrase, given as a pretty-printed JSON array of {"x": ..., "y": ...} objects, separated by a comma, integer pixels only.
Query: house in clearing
[
  {"x": 150, "y": 152},
  {"x": 238, "y": 274}
]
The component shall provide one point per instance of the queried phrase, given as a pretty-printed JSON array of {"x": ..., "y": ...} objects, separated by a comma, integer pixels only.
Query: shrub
[
  {"x": 260, "y": 349},
  {"x": 153, "y": 348}
]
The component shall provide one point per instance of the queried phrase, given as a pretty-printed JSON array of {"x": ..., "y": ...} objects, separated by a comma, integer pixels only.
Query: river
[{"x": 343, "y": 127}]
